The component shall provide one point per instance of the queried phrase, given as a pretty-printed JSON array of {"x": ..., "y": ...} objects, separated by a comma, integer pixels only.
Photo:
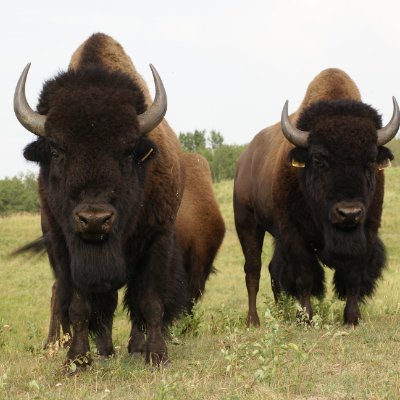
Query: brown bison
[
  {"x": 121, "y": 203},
  {"x": 315, "y": 183}
]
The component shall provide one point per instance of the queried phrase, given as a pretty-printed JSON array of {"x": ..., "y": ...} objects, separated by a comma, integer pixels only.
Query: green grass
[{"x": 213, "y": 355}]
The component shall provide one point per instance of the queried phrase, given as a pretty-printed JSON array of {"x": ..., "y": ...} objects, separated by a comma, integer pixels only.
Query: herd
[{"x": 123, "y": 206}]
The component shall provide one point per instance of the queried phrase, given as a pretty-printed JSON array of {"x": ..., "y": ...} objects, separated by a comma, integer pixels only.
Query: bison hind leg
[
  {"x": 54, "y": 328},
  {"x": 274, "y": 268}
]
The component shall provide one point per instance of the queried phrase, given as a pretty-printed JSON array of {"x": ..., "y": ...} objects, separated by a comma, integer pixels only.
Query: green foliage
[
  {"x": 221, "y": 157},
  {"x": 223, "y": 161},
  {"x": 19, "y": 194},
  {"x": 394, "y": 146},
  {"x": 264, "y": 359},
  {"x": 194, "y": 142},
  {"x": 273, "y": 352}
]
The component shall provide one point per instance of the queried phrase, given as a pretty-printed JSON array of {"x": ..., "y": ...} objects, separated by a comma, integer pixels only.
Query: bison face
[
  {"x": 94, "y": 159},
  {"x": 342, "y": 181}
]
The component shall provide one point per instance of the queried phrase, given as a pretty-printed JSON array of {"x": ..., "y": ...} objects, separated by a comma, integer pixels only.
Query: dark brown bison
[
  {"x": 121, "y": 203},
  {"x": 315, "y": 183}
]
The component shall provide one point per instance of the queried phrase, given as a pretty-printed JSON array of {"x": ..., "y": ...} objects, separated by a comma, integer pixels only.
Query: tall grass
[{"x": 213, "y": 355}]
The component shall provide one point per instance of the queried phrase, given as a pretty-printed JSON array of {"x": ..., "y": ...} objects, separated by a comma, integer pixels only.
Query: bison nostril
[
  {"x": 352, "y": 213},
  {"x": 83, "y": 220},
  {"x": 107, "y": 219},
  {"x": 347, "y": 213},
  {"x": 97, "y": 221}
]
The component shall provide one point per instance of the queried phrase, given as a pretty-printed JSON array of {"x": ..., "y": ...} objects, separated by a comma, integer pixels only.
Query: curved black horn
[
  {"x": 296, "y": 136},
  {"x": 388, "y": 132},
  {"x": 30, "y": 119},
  {"x": 154, "y": 115}
]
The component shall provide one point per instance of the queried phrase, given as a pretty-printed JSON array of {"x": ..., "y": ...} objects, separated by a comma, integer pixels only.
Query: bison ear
[
  {"x": 37, "y": 151},
  {"x": 384, "y": 157},
  {"x": 145, "y": 150},
  {"x": 297, "y": 157}
]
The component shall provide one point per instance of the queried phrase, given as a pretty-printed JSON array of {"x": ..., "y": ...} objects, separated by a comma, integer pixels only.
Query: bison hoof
[
  {"x": 50, "y": 343},
  {"x": 351, "y": 321},
  {"x": 351, "y": 316},
  {"x": 303, "y": 318},
  {"x": 76, "y": 365},
  {"x": 105, "y": 353},
  {"x": 159, "y": 359},
  {"x": 136, "y": 348},
  {"x": 137, "y": 355},
  {"x": 252, "y": 320}
]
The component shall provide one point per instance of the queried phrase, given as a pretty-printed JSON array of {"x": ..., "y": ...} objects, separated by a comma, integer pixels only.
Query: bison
[
  {"x": 121, "y": 204},
  {"x": 315, "y": 183}
]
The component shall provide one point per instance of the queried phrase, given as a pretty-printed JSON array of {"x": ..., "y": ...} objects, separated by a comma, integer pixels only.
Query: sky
[{"x": 226, "y": 65}]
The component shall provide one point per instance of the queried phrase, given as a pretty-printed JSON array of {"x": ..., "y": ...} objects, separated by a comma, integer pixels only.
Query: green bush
[
  {"x": 394, "y": 146},
  {"x": 19, "y": 194},
  {"x": 221, "y": 157}
]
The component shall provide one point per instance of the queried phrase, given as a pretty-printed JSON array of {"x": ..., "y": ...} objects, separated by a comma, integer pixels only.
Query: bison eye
[
  {"x": 318, "y": 163},
  {"x": 54, "y": 154},
  {"x": 129, "y": 157}
]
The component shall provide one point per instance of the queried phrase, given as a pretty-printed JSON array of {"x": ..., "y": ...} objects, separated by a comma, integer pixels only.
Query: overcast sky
[{"x": 226, "y": 65}]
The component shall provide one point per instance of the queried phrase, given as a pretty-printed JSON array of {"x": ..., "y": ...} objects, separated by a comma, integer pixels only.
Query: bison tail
[
  {"x": 37, "y": 246},
  {"x": 213, "y": 270}
]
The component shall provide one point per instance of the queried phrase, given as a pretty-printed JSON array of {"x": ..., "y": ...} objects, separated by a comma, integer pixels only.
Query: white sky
[{"x": 226, "y": 65}]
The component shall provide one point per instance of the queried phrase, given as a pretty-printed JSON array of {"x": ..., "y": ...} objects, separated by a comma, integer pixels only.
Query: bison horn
[
  {"x": 154, "y": 115},
  {"x": 296, "y": 136},
  {"x": 388, "y": 132},
  {"x": 30, "y": 119}
]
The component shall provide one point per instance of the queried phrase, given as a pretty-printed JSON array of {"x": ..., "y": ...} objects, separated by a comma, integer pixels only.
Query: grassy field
[{"x": 213, "y": 355}]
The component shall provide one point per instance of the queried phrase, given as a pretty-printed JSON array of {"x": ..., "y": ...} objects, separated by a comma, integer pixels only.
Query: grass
[{"x": 213, "y": 355}]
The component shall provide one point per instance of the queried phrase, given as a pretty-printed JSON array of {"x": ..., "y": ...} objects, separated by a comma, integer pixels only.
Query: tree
[
  {"x": 19, "y": 194},
  {"x": 193, "y": 142},
  {"x": 221, "y": 157},
  {"x": 215, "y": 139}
]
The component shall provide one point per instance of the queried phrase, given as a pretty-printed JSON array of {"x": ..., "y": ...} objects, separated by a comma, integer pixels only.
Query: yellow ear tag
[
  {"x": 384, "y": 164},
  {"x": 297, "y": 164},
  {"x": 146, "y": 155}
]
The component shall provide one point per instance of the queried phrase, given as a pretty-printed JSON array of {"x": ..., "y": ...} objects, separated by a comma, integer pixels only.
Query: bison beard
[
  {"x": 340, "y": 244},
  {"x": 97, "y": 267}
]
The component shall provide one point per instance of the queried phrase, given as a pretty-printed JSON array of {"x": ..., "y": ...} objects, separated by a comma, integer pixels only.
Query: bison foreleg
[
  {"x": 352, "y": 314},
  {"x": 102, "y": 308},
  {"x": 153, "y": 313},
  {"x": 305, "y": 304},
  {"x": 104, "y": 342},
  {"x": 79, "y": 314},
  {"x": 137, "y": 341},
  {"x": 355, "y": 280},
  {"x": 300, "y": 274}
]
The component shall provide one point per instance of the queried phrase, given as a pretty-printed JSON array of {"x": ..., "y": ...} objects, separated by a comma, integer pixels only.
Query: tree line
[{"x": 19, "y": 194}]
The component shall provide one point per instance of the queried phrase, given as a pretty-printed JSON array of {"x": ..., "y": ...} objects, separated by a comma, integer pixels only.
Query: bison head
[
  {"x": 94, "y": 154},
  {"x": 340, "y": 145}
]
